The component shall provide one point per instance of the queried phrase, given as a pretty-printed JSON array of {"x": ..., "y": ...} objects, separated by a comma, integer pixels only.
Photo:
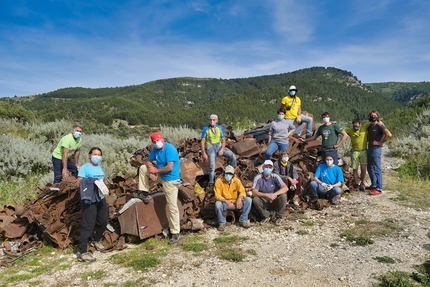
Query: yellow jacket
[{"x": 230, "y": 192}]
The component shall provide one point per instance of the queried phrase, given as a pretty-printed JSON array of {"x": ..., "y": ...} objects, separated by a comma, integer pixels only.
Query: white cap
[
  {"x": 229, "y": 169},
  {"x": 292, "y": 88},
  {"x": 268, "y": 162}
]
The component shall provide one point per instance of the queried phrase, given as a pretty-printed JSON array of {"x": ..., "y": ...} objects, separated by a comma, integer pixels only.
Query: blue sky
[{"x": 51, "y": 44}]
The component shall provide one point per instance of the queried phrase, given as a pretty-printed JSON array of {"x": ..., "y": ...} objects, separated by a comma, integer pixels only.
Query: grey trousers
[{"x": 264, "y": 207}]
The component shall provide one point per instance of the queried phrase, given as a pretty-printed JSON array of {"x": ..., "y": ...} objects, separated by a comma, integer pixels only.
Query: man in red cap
[{"x": 166, "y": 172}]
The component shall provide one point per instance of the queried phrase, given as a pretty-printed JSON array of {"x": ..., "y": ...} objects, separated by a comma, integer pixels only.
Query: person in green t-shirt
[
  {"x": 329, "y": 132},
  {"x": 69, "y": 145}
]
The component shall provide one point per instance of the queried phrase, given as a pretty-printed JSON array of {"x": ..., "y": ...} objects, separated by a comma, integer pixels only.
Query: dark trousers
[
  {"x": 298, "y": 191},
  {"x": 262, "y": 205},
  {"x": 58, "y": 168},
  {"x": 94, "y": 216}
]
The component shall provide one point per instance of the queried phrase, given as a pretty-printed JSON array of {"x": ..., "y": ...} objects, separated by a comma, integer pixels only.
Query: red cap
[{"x": 156, "y": 136}]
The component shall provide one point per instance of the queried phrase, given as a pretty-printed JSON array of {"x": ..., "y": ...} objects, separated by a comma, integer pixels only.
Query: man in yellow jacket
[{"x": 230, "y": 195}]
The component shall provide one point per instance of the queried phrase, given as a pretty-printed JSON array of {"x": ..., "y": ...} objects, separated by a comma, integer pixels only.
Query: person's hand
[
  {"x": 64, "y": 172},
  {"x": 205, "y": 157},
  {"x": 230, "y": 205},
  {"x": 221, "y": 152},
  {"x": 153, "y": 169},
  {"x": 152, "y": 176},
  {"x": 239, "y": 204},
  {"x": 299, "y": 119},
  {"x": 294, "y": 181},
  {"x": 324, "y": 185},
  {"x": 336, "y": 146},
  {"x": 302, "y": 140},
  {"x": 329, "y": 187},
  {"x": 78, "y": 166},
  {"x": 271, "y": 196}
]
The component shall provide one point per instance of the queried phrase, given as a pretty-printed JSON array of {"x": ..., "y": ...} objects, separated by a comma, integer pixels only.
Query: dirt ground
[{"x": 295, "y": 254}]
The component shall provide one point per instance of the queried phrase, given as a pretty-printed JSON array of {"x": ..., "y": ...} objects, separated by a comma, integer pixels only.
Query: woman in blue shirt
[{"x": 94, "y": 208}]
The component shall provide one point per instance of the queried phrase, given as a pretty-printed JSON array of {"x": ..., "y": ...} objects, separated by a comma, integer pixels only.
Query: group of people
[{"x": 277, "y": 184}]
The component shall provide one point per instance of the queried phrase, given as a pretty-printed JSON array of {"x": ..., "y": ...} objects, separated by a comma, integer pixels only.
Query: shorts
[{"x": 358, "y": 158}]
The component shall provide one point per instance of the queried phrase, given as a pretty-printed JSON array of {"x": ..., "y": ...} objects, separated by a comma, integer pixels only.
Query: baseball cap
[
  {"x": 229, "y": 169},
  {"x": 156, "y": 136},
  {"x": 268, "y": 162}
]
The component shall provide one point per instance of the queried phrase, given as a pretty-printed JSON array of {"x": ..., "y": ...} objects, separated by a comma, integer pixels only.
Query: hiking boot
[
  {"x": 245, "y": 224},
  {"x": 308, "y": 136},
  {"x": 86, "y": 257},
  {"x": 369, "y": 187},
  {"x": 146, "y": 198},
  {"x": 362, "y": 187},
  {"x": 211, "y": 187},
  {"x": 265, "y": 220},
  {"x": 221, "y": 227},
  {"x": 375, "y": 192},
  {"x": 278, "y": 221},
  {"x": 333, "y": 201},
  {"x": 174, "y": 239},
  {"x": 98, "y": 245}
]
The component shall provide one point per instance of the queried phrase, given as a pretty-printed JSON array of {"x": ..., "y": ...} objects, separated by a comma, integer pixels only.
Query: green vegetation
[
  {"x": 384, "y": 259},
  {"x": 405, "y": 279},
  {"x": 364, "y": 230},
  {"x": 94, "y": 275},
  {"x": 302, "y": 232},
  {"x": 308, "y": 223},
  {"x": 140, "y": 258},
  {"x": 193, "y": 243},
  {"x": 228, "y": 248}
]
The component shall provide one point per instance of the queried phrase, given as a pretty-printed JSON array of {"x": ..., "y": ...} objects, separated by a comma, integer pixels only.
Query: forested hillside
[
  {"x": 189, "y": 101},
  {"x": 404, "y": 93}
]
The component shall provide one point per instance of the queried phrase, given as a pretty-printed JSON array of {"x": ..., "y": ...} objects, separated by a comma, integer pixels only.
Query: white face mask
[
  {"x": 329, "y": 162},
  {"x": 159, "y": 144},
  {"x": 285, "y": 159},
  {"x": 326, "y": 120}
]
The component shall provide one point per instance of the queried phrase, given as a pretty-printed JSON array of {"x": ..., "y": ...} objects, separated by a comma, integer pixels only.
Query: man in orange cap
[{"x": 166, "y": 172}]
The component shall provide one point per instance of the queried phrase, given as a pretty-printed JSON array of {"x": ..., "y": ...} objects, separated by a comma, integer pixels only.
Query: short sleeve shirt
[
  {"x": 163, "y": 156},
  {"x": 375, "y": 133},
  {"x": 292, "y": 105},
  {"x": 358, "y": 138},
  {"x": 267, "y": 185},
  {"x": 68, "y": 141},
  {"x": 329, "y": 175},
  {"x": 329, "y": 135}
]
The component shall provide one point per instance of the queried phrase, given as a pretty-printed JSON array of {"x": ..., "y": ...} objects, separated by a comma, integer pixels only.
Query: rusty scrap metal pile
[{"x": 55, "y": 216}]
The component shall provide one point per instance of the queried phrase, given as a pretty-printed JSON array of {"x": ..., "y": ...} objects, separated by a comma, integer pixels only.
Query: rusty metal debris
[{"x": 54, "y": 217}]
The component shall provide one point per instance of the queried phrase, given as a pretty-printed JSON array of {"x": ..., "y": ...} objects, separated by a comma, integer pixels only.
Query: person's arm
[
  {"x": 387, "y": 136},
  {"x": 203, "y": 147},
  {"x": 299, "y": 115},
  {"x": 269, "y": 139},
  {"x": 77, "y": 153},
  {"x": 344, "y": 137},
  {"x": 78, "y": 182},
  {"x": 154, "y": 170},
  {"x": 221, "y": 151},
  {"x": 64, "y": 161},
  {"x": 282, "y": 190},
  {"x": 290, "y": 132}
]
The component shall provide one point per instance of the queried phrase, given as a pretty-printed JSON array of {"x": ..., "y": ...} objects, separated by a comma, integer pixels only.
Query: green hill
[
  {"x": 189, "y": 101},
  {"x": 404, "y": 93}
]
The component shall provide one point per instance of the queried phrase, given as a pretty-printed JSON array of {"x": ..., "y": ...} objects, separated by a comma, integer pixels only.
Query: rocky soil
[{"x": 283, "y": 257}]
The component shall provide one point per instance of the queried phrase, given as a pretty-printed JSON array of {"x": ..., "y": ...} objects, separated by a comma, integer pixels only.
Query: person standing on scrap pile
[
  {"x": 377, "y": 134},
  {"x": 60, "y": 156},
  {"x": 213, "y": 144},
  {"x": 286, "y": 170},
  {"x": 230, "y": 195},
  {"x": 167, "y": 172},
  {"x": 269, "y": 193},
  {"x": 93, "y": 205},
  {"x": 327, "y": 181},
  {"x": 291, "y": 105},
  {"x": 279, "y": 132},
  {"x": 330, "y": 133}
]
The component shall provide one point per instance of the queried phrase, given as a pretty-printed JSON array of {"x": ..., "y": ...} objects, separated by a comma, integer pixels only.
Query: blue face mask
[
  {"x": 96, "y": 159},
  {"x": 267, "y": 171},
  {"x": 373, "y": 119},
  {"x": 292, "y": 93},
  {"x": 228, "y": 176},
  {"x": 280, "y": 117},
  {"x": 159, "y": 145},
  {"x": 77, "y": 135},
  {"x": 356, "y": 128}
]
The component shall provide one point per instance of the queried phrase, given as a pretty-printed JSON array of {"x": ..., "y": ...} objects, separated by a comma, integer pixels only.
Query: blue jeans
[
  {"x": 374, "y": 166},
  {"x": 318, "y": 191},
  {"x": 212, "y": 151},
  {"x": 305, "y": 119},
  {"x": 58, "y": 168},
  {"x": 220, "y": 207},
  {"x": 333, "y": 153},
  {"x": 274, "y": 146}
]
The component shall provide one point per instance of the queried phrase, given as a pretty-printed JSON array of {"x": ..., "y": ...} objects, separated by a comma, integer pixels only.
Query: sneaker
[
  {"x": 174, "y": 239},
  {"x": 86, "y": 257},
  {"x": 245, "y": 224},
  {"x": 375, "y": 192},
  {"x": 362, "y": 187},
  {"x": 211, "y": 187},
  {"x": 308, "y": 136},
  {"x": 98, "y": 245},
  {"x": 221, "y": 227},
  {"x": 278, "y": 221},
  {"x": 333, "y": 201},
  {"x": 140, "y": 195},
  {"x": 265, "y": 220}
]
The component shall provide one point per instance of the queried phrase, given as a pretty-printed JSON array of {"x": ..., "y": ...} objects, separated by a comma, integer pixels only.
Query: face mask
[
  {"x": 267, "y": 171},
  {"x": 373, "y": 119},
  {"x": 77, "y": 135},
  {"x": 95, "y": 159},
  {"x": 326, "y": 120},
  {"x": 280, "y": 117},
  {"x": 292, "y": 93},
  {"x": 228, "y": 176},
  {"x": 285, "y": 159},
  {"x": 329, "y": 162},
  {"x": 159, "y": 144},
  {"x": 356, "y": 128}
]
